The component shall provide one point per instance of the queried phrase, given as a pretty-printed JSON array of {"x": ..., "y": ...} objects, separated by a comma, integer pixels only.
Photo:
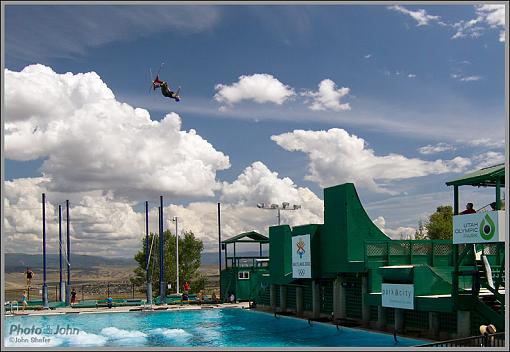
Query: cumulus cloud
[
  {"x": 328, "y": 97},
  {"x": 399, "y": 233},
  {"x": 258, "y": 184},
  {"x": 93, "y": 142},
  {"x": 420, "y": 16},
  {"x": 486, "y": 142},
  {"x": 438, "y": 148},
  {"x": 492, "y": 15},
  {"x": 487, "y": 159},
  {"x": 100, "y": 224},
  {"x": 259, "y": 87},
  {"x": 337, "y": 157}
]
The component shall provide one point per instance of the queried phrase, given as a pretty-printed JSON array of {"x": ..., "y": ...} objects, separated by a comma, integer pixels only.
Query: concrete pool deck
[{"x": 124, "y": 309}]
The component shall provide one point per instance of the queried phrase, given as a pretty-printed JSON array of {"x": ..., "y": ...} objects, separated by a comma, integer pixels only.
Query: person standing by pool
[
  {"x": 186, "y": 287},
  {"x": 73, "y": 296},
  {"x": 30, "y": 276},
  {"x": 109, "y": 302},
  {"x": 24, "y": 300}
]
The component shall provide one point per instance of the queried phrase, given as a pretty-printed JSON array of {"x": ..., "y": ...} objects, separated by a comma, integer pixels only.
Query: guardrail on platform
[{"x": 493, "y": 340}]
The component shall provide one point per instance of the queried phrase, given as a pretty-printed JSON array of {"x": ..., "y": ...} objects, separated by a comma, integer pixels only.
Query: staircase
[{"x": 491, "y": 306}]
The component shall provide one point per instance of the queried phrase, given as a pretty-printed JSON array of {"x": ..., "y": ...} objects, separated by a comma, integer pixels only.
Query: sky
[{"x": 278, "y": 102}]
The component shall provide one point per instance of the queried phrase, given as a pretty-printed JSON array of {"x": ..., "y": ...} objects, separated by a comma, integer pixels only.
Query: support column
[
  {"x": 365, "y": 307},
  {"x": 463, "y": 323},
  {"x": 272, "y": 297},
  {"x": 316, "y": 307},
  {"x": 338, "y": 299},
  {"x": 399, "y": 320},
  {"x": 299, "y": 301},
  {"x": 434, "y": 324},
  {"x": 381, "y": 318},
  {"x": 283, "y": 298}
]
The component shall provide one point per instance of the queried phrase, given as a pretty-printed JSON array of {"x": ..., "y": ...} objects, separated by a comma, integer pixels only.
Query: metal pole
[
  {"x": 162, "y": 283},
  {"x": 177, "y": 253},
  {"x": 61, "y": 283},
  {"x": 278, "y": 216},
  {"x": 68, "y": 286},
  {"x": 147, "y": 253},
  {"x": 45, "y": 287},
  {"x": 219, "y": 236}
]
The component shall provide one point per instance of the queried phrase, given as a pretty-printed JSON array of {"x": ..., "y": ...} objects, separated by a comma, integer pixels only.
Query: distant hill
[{"x": 17, "y": 262}]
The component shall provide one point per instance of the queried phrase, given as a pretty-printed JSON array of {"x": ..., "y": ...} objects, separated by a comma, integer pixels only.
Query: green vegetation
[
  {"x": 439, "y": 225},
  {"x": 190, "y": 249}
]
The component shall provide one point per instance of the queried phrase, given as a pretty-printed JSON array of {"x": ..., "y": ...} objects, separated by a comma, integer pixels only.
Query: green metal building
[
  {"x": 348, "y": 270},
  {"x": 244, "y": 276}
]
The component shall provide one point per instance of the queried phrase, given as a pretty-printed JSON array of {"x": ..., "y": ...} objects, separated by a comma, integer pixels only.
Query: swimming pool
[{"x": 228, "y": 327}]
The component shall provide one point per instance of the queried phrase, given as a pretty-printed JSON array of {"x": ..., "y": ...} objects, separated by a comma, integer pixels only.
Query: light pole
[
  {"x": 284, "y": 206},
  {"x": 175, "y": 219}
]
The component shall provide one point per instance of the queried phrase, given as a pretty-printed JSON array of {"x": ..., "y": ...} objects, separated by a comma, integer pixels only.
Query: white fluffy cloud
[
  {"x": 337, "y": 157},
  {"x": 258, "y": 184},
  {"x": 487, "y": 159},
  {"x": 400, "y": 233},
  {"x": 328, "y": 97},
  {"x": 420, "y": 16},
  {"x": 486, "y": 142},
  {"x": 492, "y": 15},
  {"x": 438, "y": 148},
  {"x": 103, "y": 225},
  {"x": 99, "y": 224},
  {"x": 93, "y": 142},
  {"x": 259, "y": 87}
]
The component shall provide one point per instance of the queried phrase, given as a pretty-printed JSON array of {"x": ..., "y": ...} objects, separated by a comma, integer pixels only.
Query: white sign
[
  {"x": 301, "y": 257},
  {"x": 397, "y": 295},
  {"x": 479, "y": 227}
]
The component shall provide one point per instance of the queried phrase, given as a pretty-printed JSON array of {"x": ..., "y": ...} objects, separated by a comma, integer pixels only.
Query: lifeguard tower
[
  {"x": 244, "y": 276},
  {"x": 479, "y": 250}
]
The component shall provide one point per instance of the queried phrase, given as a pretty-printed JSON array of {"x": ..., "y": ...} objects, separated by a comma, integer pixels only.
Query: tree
[
  {"x": 440, "y": 223},
  {"x": 190, "y": 249},
  {"x": 420, "y": 233}
]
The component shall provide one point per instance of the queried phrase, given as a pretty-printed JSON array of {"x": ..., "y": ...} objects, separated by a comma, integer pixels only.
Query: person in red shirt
[
  {"x": 469, "y": 209},
  {"x": 186, "y": 287}
]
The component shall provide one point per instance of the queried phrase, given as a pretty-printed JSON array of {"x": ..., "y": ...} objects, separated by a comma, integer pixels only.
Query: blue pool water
[{"x": 230, "y": 327}]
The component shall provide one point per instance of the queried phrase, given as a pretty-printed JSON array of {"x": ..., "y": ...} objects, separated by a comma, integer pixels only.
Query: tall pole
[
  {"x": 68, "y": 285},
  {"x": 61, "y": 286},
  {"x": 147, "y": 254},
  {"x": 162, "y": 283},
  {"x": 45, "y": 287},
  {"x": 278, "y": 216},
  {"x": 219, "y": 236},
  {"x": 177, "y": 253},
  {"x": 219, "y": 246}
]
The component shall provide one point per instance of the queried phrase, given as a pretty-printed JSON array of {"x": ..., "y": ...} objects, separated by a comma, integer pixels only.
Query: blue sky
[{"x": 413, "y": 76}]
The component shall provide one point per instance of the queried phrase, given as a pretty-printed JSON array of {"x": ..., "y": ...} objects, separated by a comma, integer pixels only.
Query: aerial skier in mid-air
[{"x": 165, "y": 89}]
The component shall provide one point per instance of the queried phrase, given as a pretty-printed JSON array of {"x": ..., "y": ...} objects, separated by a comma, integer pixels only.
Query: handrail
[{"x": 492, "y": 340}]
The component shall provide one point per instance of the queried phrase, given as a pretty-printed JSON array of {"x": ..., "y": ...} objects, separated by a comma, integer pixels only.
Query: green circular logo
[{"x": 487, "y": 228}]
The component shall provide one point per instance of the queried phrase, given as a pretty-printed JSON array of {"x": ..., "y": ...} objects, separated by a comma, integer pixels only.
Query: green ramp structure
[{"x": 348, "y": 271}]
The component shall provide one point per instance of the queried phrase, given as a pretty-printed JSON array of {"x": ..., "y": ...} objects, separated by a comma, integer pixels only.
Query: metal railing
[
  {"x": 493, "y": 340},
  {"x": 84, "y": 291}
]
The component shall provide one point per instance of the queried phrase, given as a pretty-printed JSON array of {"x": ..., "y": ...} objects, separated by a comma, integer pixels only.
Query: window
[{"x": 243, "y": 275}]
